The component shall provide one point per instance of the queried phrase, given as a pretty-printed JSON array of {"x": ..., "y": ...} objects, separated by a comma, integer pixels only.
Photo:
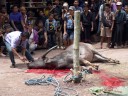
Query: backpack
[{"x": 105, "y": 22}]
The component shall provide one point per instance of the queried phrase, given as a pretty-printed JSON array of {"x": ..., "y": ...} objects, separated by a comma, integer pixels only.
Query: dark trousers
[
  {"x": 51, "y": 39},
  {"x": 87, "y": 32},
  {"x": 117, "y": 37},
  {"x": 125, "y": 35},
  {"x": 19, "y": 26}
]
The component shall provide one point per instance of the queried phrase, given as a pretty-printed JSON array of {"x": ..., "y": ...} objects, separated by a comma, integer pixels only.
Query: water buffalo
[{"x": 87, "y": 55}]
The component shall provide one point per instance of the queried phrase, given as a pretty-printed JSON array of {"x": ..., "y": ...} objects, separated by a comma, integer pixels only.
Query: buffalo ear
[{"x": 45, "y": 59}]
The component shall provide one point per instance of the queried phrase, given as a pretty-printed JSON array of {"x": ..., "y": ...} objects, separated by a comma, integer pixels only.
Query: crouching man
[{"x": 14, "y": 39}]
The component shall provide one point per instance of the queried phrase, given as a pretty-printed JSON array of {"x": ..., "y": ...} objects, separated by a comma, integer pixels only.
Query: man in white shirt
[{"x": 14, "y": 39}]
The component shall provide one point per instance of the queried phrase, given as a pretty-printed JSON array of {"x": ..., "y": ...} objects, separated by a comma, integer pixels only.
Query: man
[
  {"x": 126, "y": 27},
  {"x": 14, "y": 39},
  {"x": 87, "y": 23},
  {"x": 120, "y": 19},
  {"x": 57, "y": 9},
  {"x": 16, "y": 19},
  {"x": 76, "y": 6}
]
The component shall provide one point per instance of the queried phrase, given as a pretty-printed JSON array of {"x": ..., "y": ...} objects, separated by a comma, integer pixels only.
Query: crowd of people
[{"x": 54, "y": 25}]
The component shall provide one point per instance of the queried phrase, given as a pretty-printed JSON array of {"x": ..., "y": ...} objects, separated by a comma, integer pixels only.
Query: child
[
  {"x": 107, "y": 25},
  {"x": 68, "y": 35},
  {"x": 2, "y": 45},
  {"x": 50, "y": 26},
  {"x": 59, "y": 40},
  {"x": 42, "y": 39}
]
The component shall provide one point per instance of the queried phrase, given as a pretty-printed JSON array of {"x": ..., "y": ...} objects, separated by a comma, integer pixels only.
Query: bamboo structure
[{"x": 76, "y": 64}]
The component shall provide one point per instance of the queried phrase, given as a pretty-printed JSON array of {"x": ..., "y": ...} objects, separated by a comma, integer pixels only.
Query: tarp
[{"x": 102, "y": 91}]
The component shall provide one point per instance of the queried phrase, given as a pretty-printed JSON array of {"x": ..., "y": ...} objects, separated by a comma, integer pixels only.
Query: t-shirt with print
[
  {"x": 51, "y": 26},
  {"x": 69, "y": 22},
  {"x": 59, "y": 23}
]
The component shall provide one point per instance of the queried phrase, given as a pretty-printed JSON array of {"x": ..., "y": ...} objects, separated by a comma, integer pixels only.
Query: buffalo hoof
[{"x": 97, "y": 67}]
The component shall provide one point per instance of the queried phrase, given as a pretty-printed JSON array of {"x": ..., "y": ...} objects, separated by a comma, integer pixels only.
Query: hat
[
  {"x": 65, "y": 4},
  {"x": 71, "y": 8},
  {"x": 119, "y": 3},
  {"x": 86, "y": 4}
]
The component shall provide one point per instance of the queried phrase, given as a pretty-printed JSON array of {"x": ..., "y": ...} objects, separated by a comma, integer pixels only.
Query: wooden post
[{"x": 76, "y": 64}]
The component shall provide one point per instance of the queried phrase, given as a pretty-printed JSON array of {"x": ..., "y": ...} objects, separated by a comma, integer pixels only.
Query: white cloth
[
  {"x": 14, "y": 39},
  {"x": 32, "y": 46},
  {"x": 31, "y": 37}
]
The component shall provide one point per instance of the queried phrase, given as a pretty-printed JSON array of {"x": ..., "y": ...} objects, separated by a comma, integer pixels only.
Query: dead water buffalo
[{"x": 87, "y": 55}]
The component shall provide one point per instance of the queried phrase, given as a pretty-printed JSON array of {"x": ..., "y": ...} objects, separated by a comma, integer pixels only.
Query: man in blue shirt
[
  {"x": 76, "y": 6},
  {"x": 17, "y": 20},
  {"x": 14, "y": 39}
]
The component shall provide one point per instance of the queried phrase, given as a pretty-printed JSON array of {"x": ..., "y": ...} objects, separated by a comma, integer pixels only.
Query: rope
[
  {"x": 78, "y": 78},
  {"x": 51, "y": 81}
]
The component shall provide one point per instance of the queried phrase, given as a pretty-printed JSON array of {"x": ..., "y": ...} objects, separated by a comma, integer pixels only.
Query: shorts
[
  {"x": 69, "y": 35},
  {"x": 105, "y": 32}
]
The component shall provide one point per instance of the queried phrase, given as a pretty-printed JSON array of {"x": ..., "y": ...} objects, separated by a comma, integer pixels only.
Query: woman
[{"x": 33, "y": 38}]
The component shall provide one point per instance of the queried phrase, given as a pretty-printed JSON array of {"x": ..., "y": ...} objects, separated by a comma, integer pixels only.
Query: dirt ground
[{"x": 12, "y": 80}]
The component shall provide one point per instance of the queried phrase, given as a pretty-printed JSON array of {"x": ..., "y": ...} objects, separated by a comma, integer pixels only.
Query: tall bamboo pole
[{"x": 76, "y": 64}]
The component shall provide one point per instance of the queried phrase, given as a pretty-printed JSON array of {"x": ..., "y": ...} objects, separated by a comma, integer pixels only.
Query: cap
[
  {"x": 65, "y": 4},
  {"x": 71, "y": 8},
  {"x": 86, "y": 2},
  {"x": 119, "y": 3}
]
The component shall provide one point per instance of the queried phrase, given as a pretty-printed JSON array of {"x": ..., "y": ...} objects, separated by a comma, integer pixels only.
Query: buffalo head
[{"x": 41, "y": 62}]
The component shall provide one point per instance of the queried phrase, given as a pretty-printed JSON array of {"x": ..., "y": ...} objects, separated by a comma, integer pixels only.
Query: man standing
[
  {"x": 87, "y": 23},
  {"x": 14, "y": 39},
  {"x": 57, "y": 9},
  {"x": 120, "y": 19},
  {"x": 76, "y": 6}
]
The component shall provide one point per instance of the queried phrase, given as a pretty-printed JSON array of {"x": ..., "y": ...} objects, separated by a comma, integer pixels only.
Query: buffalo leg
[
  {"x": 100, "y": 58},
  {"x": 87, "y": 63}
]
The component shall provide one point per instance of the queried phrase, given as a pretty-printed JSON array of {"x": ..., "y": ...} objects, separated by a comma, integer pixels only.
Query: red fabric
[
  {"x": 109, "y": 81},
  {"x": 58, "y": 73}
]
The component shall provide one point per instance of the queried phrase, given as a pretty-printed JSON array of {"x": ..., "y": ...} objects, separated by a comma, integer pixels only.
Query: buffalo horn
[{"x": 48, "y": 51}]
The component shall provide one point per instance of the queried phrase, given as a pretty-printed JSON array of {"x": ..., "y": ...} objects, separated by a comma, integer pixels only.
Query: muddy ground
[{"x": 12, "y": 80}]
